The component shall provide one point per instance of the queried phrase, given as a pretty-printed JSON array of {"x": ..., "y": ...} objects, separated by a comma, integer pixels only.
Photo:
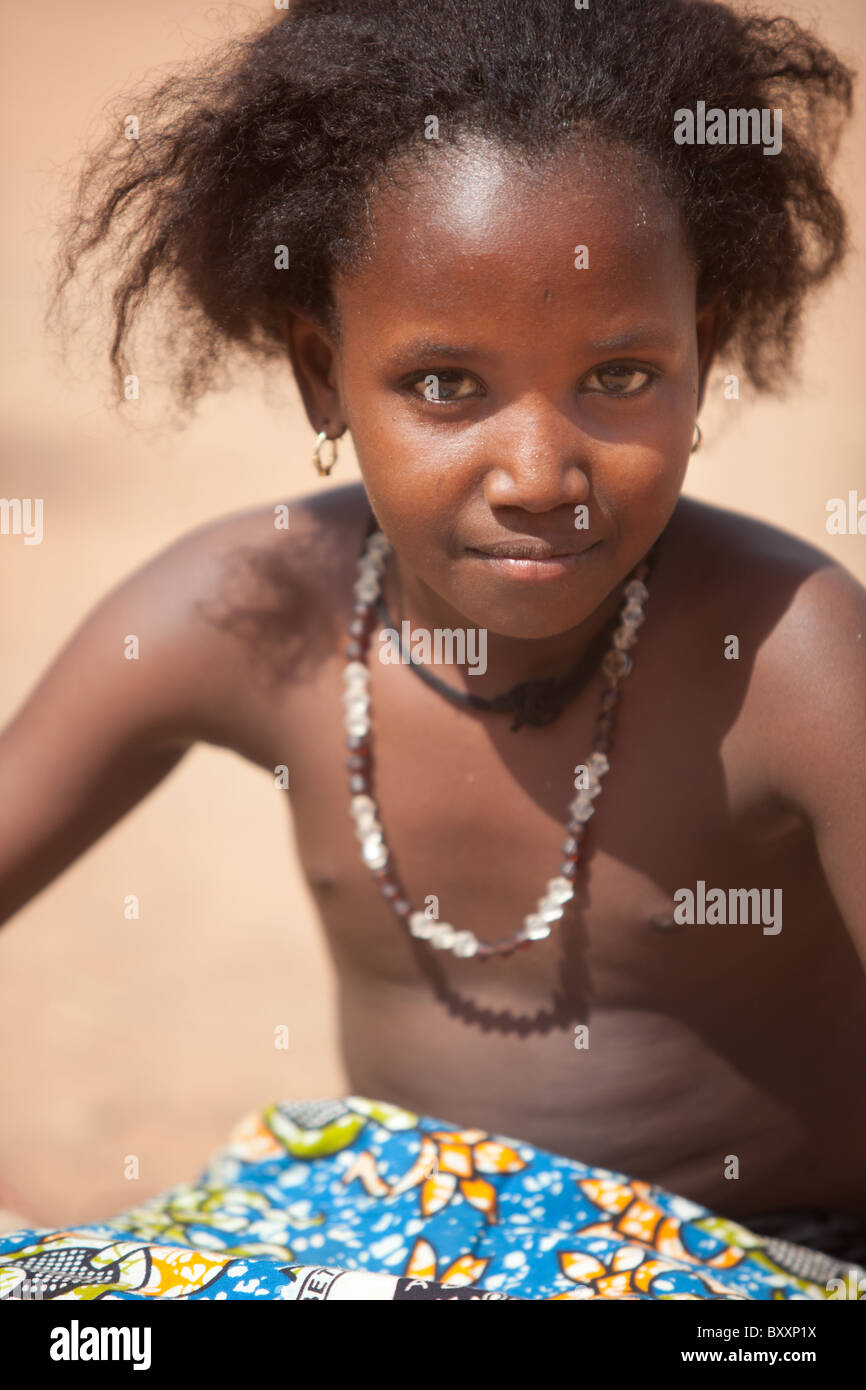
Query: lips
[
  {"x": 526, "y": 550},
  {"x": 530, "y": 562}
]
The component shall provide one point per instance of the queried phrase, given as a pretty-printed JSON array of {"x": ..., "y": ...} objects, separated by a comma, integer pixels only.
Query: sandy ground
[{"x": 151, "y": 1038}]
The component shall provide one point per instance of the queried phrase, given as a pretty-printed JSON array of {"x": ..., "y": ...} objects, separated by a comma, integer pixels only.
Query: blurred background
[{"x": 152, "y": 1038}]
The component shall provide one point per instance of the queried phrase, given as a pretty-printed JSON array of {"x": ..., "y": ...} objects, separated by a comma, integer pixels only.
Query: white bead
[
  {"x": 580, "y": 809},
  {"x": 356, "y": 728},
  {"x": 443, "y": 935},
  {"x": 534, "y": 928},
  {"x": 623, "y": 638},
  {"x": 421, "y": 926},
  {"x": 361, "y": 803},
  {"x": 550, "y": 910},
  {"x": 559, "y": 890},
  {"x": 367, "y": 826},
  {"x": 636, "y": 590},
  {"x": 464, "y": 944},
  {"x": 374, "y": 853},
  {"x": 357, "y": 709},
  {"x": 355, "y": 671},
  {"x": 616, "y": 664},
  {"x": 598, "y": 763}
]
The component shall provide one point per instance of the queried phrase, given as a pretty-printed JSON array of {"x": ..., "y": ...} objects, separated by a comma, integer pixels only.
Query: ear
[
  {"x": 709, "y": 325},
  {"x": 314, "y": 362}
]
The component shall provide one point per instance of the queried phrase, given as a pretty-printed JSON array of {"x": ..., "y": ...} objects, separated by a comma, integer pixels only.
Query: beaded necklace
[{"x": 559, "y": 890}]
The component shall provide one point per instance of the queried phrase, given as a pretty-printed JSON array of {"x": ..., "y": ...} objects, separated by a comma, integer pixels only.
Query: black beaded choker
[{"x": 534, "y": 702}]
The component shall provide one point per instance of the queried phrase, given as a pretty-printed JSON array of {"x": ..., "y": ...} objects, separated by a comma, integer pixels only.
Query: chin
[{"x": 529, "y": 618}]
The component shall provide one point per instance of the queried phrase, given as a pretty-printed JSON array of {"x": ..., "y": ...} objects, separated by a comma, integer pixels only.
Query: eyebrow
[
  {"x": 428, "y": 347},
  {"x": 649, "y": 334},
  {"x": 653, "y": 334}
]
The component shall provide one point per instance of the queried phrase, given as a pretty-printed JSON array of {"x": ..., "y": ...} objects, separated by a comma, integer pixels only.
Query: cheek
[
  {"x": 639, "y": 486},
  {"x": 409, "y": 471}
]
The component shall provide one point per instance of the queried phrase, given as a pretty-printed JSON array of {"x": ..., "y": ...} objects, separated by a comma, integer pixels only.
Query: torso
[{"x": 707, "y": 1043}]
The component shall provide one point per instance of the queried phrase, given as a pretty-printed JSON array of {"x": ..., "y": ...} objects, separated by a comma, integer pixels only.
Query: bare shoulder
[
  {"x": 788, "y": 591},
  {"x": 249, "y": 600},
  {"x": 281, "y": 569},
  {"x": 209, "y": 625},
  {"x": 799, "y": 620},
  {"x": 314, "y": 530}
]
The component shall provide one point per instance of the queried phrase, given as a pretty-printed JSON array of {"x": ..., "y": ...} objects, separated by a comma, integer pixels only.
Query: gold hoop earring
[
  {"x": 697, "y": 443},
  {"x": 323, "y": 469}
]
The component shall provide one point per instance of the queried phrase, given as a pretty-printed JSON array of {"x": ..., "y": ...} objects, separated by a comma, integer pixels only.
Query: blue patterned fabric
[{"x": 355, "y": 1198}]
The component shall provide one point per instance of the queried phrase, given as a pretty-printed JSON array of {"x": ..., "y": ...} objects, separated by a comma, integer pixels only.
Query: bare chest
[
  {"x": 475, "y": 817},
  {"x": 625, "y": 1039}
]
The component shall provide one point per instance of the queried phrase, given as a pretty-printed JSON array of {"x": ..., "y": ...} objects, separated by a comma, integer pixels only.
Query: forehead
[{"x": 482, "y": 231}]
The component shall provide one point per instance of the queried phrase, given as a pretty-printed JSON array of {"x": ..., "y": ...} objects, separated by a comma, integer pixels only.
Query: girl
[{"x": 605, "y": 887}]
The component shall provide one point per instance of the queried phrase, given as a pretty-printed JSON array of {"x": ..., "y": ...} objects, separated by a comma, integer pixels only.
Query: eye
[
  {"x": 438, "y": 387},
  {"x": 619, "y": 378}
]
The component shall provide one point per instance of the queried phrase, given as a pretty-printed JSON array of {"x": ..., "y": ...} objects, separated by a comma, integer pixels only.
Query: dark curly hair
[{"x": 279, "y": 139}]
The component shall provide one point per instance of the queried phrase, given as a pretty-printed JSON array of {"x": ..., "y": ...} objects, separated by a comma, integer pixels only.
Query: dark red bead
[
  {"x": 568, "y": 869},
  {"x": 358, "y": 743},
  {"x": 570, "y": 848},
  {"x": 358, "y": 762},
  {"x": 601, "y": 743},
  {"x": 390, "y": 891},
  {"x": 610, "y": 699}
]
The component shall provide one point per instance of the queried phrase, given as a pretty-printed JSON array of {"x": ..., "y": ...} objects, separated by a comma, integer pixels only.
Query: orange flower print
[
  {"x": 626, "y": 1273},
  {"x": 423, "y": 1261},
  {"x": 635, "y": 1269},
  {"x": 636, "y": 1216},
  {"x": 448, "y": 1161}
]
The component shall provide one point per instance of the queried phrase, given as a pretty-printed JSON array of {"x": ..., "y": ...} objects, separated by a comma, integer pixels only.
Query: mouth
[{"x": 530, "y": 560}]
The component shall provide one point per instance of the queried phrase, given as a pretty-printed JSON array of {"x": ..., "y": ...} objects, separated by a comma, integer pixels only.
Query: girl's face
[{"x": 496, "y": 376}]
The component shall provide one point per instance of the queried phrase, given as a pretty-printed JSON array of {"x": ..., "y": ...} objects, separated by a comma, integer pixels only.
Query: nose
[{"x": 537, "y": 461}]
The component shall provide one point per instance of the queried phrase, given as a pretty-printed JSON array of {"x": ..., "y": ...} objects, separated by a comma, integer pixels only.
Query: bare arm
[
  {"x": 106, "y": 722},
  {"x": 819, "y": 733}
]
